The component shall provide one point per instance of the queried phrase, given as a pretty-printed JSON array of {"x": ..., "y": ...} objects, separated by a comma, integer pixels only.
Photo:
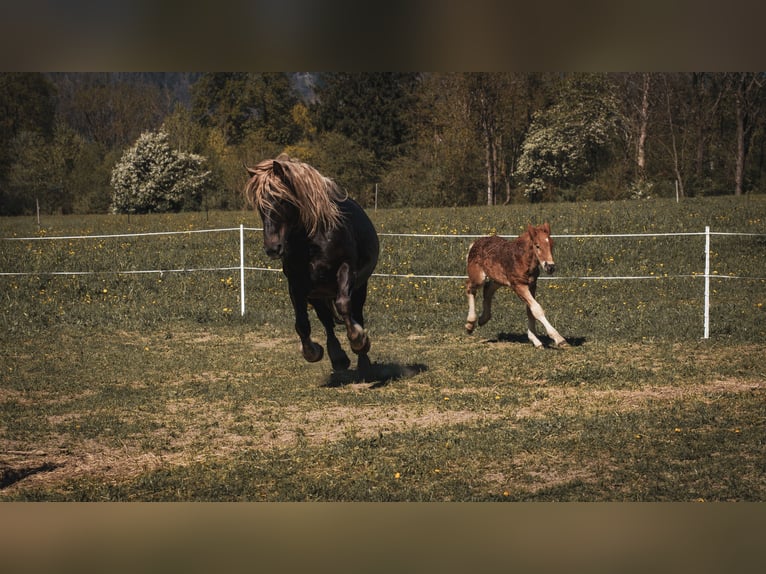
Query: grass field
[{"x": 152, "y": 387}]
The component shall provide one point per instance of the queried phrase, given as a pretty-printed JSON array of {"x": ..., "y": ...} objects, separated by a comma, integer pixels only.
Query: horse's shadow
[
  {"x": 380, "y": 375},
  {"x": 544, "y": 339}
]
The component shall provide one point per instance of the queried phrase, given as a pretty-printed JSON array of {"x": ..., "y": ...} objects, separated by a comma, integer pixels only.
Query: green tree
[
  {"x": 27, "y": 104},
  {"x": 220, "y": 100},
  {"x": 749, "y": 89},
  {"x": 350, "y": 165},
  {"x": 107, "y": 110},
  {"x": 237, "y": 102},
  {"x": 444, "y": 165},
  {"x": 373, "y": 109},
  {"x": 273, "y": 99},
  {"x": 467, "y": 134},
  {"x": 153, "y": 177}
]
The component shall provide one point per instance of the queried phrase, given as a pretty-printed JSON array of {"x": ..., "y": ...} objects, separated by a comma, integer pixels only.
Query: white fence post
[
  {"x": 242, "y": 269},
  {"x": 707, "y": 282}
]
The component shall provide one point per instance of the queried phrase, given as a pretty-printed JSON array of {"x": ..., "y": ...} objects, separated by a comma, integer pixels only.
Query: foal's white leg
[
  {"x": 470, "y": 322},
  {"x": 531, "y": 329},
  {"x": 535, "y": 311},
  {"x": 476, "y": 277}
]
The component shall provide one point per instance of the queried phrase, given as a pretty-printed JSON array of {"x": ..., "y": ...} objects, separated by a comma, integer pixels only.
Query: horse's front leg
[
  {"x": 357, "y": 337},
  {"x": 338, "y": 357},
  {"x": 535, "y": 312},
  {"x": 312, "y": 351}
]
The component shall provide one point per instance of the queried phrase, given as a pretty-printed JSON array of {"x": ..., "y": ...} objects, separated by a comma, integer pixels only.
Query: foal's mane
[{"x": 284, "y": 179}]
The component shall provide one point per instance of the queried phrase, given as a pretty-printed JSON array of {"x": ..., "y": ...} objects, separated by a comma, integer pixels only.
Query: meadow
[{"x": 151, "y": 386}]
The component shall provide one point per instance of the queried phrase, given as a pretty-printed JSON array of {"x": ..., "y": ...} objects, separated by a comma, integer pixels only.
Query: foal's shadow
[
  {"x": 522, "y": 338},
  {"x": 380, "y": 375}
]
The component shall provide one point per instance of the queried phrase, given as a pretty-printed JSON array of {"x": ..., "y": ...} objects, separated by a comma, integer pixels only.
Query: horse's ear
[
  {"x": 547, "y": 228},
  {"x": 279, "y": 169},
  {"x": 531, "y": 230}
]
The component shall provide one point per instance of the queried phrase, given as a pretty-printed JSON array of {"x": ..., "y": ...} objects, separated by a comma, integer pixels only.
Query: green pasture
[{"x": 151, "y": 386}]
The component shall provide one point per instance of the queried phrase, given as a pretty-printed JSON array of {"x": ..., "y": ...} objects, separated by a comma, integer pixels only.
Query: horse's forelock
[
  {"x": 265, "y": 190},
  {"x": 283, "y": 179}
]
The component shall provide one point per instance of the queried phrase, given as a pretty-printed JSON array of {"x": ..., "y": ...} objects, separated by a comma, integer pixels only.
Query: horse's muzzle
[
  {"x": 275, "y": 251},
  {"x": 549, "y": 267}
]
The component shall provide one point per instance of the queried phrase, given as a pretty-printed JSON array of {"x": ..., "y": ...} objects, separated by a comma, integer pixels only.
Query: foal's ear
[{"x": 547, "y": 227}]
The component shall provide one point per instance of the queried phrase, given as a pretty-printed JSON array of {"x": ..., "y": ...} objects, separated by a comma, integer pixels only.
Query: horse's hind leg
[
  {"x": 470, "y": 292},
  {"x": 358, "y": 299},
  {"x": 486, "y": 309},
  {"x": 476, "y": 277},
  {"x": 338, "y": 357},
  {"x": 357, "y": 336}
]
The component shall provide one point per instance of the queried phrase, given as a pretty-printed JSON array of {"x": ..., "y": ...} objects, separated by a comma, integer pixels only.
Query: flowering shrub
[{"x": 152, "y": 177}]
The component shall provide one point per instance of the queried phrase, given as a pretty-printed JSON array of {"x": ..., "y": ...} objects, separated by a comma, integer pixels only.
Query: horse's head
[
  {"x": 269, "y": 193},
  {"x": 277, "y": 222},
  {"x": 288, "y": 193},
  {"x": 542, "y": 243}
]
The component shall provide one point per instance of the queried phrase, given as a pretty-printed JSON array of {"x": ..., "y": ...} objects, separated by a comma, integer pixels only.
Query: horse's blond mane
[{"x": 314, "y": 195}]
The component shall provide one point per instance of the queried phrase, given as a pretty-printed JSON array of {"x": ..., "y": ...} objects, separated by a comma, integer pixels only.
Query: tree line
[{"x": 401, "y": 139}]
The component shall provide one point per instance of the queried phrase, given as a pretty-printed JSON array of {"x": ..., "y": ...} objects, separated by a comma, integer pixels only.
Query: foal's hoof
[
  {"x": 469, "y": 327},
  {"x": 561, "y": 345},
  {"x": 313, "y": 352}
]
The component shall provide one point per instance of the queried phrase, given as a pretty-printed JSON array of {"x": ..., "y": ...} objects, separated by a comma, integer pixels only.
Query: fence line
[
  {"x": 382, "y": 234},
  {"x": 242, "y": 267},
  {"x": 113, "y": 235}
]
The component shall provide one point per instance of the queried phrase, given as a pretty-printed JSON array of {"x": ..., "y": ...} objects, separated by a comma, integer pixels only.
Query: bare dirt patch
[
  {"x": 192, "y": 430},
  {"x": 565, "y": 399},
  {"x": 208, "y": 431}
]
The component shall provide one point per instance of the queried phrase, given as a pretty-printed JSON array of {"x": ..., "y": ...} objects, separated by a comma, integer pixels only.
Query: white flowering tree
[
  {"x": 564, "y": 141},
  {"x": 152, "y": 177}
]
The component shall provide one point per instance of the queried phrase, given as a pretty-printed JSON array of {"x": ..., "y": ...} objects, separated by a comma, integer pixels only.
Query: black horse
[{"x": 328, "y": 247}]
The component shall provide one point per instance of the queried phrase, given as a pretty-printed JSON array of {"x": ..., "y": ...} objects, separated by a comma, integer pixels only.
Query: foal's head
[{"x": 542, "y": 243}]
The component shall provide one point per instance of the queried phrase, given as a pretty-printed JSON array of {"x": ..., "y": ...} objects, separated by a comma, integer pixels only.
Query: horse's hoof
[
  {"x": 364, "y": 368},
  {"x": 313, "y": 353},
  {"x": 561, "y": 346},
  {"x": 469, "y": 327},
  {"x": 341, "y": 363},
  {"x": 364, "y": 348},
  {"x": 359, "y": 341}
]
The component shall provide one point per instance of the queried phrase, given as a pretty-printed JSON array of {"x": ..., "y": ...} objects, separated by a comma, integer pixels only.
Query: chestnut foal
[{"x": 495, "y": 262}]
